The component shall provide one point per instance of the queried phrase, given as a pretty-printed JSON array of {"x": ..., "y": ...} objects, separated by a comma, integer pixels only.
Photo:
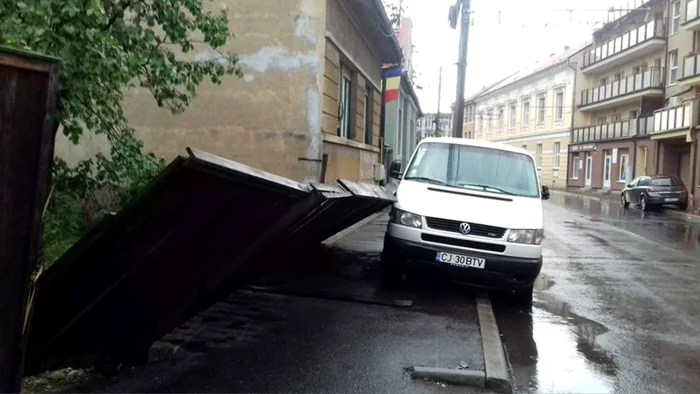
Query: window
[
  {"x": 673, "y": 67},
  {"x": 675, "y": 17},
  {"x": 500, "y": 118},
  {"x": 481, "y": 123},
  {"x": 617, "y": 118},
  {"x": 624, "y": 167},
  {"x": 475, "y": 168},
  {"x": 367, "y": 113},
  {"x": 526, "y": 113},
  {"x": 557, "y": 154},
  {"x": 511, "y": 114},
  {"x": 575, "y": 164},
  {"x": 488, "y": 120},
  {"x": 345, "y": 109},
  {"x": 602, "y": 120},
  {"x": 619, "y": 75},
  {"x": 538, "y": 155},
  {"x": 540, "y": 109},
  {"x": 559, "y": 114},
  {"x": 667, "y": 181}
]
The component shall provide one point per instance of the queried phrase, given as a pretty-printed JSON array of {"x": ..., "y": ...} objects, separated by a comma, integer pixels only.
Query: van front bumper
[{"x": 500, "y": 272}]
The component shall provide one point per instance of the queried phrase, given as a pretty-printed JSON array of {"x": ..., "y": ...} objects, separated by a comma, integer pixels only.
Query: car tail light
[{"x": 652, "y": 191}]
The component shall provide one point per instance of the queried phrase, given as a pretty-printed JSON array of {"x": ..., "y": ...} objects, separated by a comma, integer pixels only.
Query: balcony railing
[
  {"x": 692, "y": 10},
  {"x": 630, "y": 39},
  {"x": 678, "y": 117},
  {"x": 652, "y": 78},
  {"x": 691, "y": 66},
  {"x": 622, "y": 129}
]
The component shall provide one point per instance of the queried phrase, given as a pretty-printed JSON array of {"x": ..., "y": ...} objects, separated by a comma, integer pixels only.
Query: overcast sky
[{"x": 528, "y": 31}]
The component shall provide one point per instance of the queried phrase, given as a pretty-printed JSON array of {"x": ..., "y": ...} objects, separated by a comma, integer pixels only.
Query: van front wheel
[{"x": 523, "y": 296}]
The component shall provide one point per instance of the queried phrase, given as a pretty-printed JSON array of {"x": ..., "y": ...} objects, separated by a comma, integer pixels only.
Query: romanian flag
[{"x": 391, "y": 77}]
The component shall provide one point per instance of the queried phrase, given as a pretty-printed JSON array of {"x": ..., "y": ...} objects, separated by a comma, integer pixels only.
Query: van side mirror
[
  {"x": 545, "y": 192},
  {"x": 395, "y": 169}
]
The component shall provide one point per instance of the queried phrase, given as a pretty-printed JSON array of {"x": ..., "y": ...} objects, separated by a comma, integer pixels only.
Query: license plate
[
  {"x": 671, "y": 200},
  {"x": 459, "y": 260}
]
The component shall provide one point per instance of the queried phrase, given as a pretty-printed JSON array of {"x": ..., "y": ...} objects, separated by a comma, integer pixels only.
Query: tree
[
  {"x": 107, "y": 47},
  {"x": 394, "y": 12}
]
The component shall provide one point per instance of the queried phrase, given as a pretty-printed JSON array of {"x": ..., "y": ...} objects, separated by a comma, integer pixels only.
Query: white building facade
[
  {"x": 427, "y": 127},
  {"x": 532, "y": 109}
]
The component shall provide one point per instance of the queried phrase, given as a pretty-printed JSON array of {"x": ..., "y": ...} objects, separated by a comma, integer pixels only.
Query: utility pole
[
  {"x": 437, "y": 116},
  {"x": 465, "y": 5}
]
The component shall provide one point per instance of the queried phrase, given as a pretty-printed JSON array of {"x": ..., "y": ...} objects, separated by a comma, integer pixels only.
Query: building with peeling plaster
[{"x": 310, "y": 96}]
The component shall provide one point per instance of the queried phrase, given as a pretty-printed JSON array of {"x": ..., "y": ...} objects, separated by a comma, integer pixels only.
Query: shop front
[{"x": 606, "y": 165}]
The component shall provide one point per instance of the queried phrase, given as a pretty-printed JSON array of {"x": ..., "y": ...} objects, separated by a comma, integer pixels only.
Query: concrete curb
[
  {"x": 688, "y": 217},
  {"x": 497, "y": 372},
  {"x": 455, "y": 377},
  {"x": 335, "y": 239}
]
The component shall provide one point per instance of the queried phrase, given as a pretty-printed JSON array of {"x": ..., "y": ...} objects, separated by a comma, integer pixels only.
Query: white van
[{"x": 472, "y": 209}]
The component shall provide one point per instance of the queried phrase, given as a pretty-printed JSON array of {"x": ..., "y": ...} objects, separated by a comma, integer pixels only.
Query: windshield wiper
[
  {"x": 424, "y": 179},
  {"x": 487, "y": 188}
]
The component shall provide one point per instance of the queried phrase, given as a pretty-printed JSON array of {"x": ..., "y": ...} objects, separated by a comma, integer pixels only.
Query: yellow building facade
[{"x": 533, "y": 109}]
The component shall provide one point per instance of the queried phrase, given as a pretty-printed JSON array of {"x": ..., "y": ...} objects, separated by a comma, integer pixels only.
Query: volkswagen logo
[{"x": 465, "y": 228}]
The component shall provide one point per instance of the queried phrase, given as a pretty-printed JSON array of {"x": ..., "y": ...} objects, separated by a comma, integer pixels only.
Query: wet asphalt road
[
  {"x": 322, "y": 326},
  {"x": 617, "y": 304},
  {"x": 616, "y": 310}
]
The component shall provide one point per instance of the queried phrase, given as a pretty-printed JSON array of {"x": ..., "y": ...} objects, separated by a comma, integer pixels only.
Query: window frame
[
  {"x": 559, "y": 107},
  {"x": 675, "y": 25},
  {"x": 541, "y": 108},
  {"x": 538, "y": 156},
  {"x": 367, "y": 117},
  {"x": 624, "y": 158},
  {"x": 512, "y": 115},
  {"x": 345, "y": 105},
  {"x": 575, "y": 162},
  {"x": 526, "y": 114},
  {"x": 672, "y": 71}
]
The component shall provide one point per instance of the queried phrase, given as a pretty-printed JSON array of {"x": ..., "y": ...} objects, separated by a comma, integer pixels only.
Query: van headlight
[
  {"x": 530, "y": 237},
  {"x": 407, "y": 219}
]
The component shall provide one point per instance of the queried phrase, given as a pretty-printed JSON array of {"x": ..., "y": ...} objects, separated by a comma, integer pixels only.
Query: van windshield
[{"x": 476, "y": 168}]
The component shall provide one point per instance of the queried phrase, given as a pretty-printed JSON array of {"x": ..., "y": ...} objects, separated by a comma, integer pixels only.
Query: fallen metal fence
[{"x": 173, "y": 251}]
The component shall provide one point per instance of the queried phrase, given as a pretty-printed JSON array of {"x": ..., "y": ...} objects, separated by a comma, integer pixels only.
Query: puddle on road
[{"x": 552, "y": 349}]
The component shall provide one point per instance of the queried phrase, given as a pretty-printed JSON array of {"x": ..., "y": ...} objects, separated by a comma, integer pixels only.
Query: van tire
[
  {"x": 390, "y": 271},
  {"x": 523, "y": 296}
]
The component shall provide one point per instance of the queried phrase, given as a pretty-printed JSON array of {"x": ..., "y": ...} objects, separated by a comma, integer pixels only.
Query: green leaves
[
  {"x": 111, "y": 45},
  {"x": 107, "y": 47}
]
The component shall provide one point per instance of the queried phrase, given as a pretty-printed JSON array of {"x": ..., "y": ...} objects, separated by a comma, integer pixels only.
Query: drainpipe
[
  {"x": 573, "y": 66},
  {"x": 693, "y": 173}
]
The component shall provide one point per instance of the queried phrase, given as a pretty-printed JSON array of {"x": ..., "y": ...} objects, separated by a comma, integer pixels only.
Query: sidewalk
[{"x": 615, "y": 196}]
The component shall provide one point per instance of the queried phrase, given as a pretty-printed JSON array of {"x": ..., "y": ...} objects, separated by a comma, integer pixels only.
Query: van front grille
[
  {"x": 465, "y": 243},
  {"x": 480, "y": 230}
]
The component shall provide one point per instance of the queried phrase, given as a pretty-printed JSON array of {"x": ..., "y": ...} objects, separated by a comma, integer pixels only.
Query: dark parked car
[{"x": 655, "y": 191}]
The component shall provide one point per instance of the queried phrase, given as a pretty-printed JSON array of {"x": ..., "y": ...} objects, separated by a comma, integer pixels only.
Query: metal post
[
  {"x": 437, "y": 116},
  {"x": 458, "y": 125}
]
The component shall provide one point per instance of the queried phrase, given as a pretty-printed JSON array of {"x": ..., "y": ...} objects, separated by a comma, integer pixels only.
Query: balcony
[
  {"x": 692, "y": 16},
  {"x": 691, "y": 71},
  {"x": 616, "y": 130},
  {"x": 633, "y": 44},
  {"x": 627, "y": 90},
  {"x": 675, "y": 121}
]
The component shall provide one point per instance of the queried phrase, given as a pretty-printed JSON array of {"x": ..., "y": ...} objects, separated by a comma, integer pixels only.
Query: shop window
[
  {"x": 624, "y": 167},
  {"x": 575, "y": 164}
]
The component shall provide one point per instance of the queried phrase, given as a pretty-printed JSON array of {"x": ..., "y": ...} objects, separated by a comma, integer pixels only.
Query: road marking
[{"x": 497, "y": 372}]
